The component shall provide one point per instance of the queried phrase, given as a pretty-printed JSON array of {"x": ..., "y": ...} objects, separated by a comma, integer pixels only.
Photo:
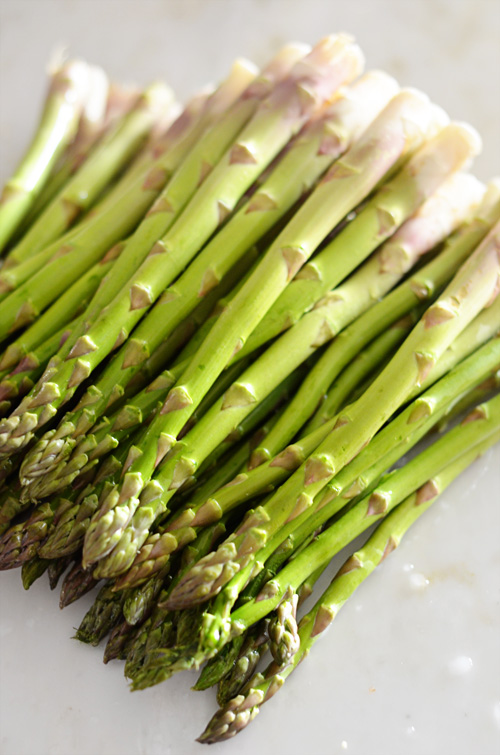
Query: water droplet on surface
[
  {"x": 460, "y": 665},
  {"x": 408, "y": 567},
  {"x": 418, "y": 581},
  {"x": 410, "y": 730},
  {"x": 343, "y": 744}
]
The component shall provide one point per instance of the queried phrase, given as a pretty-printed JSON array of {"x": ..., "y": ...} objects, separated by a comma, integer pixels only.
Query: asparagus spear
[
  {"x": 157, "y": 549},
  {"x": 58, "y": 315},
  {"x": 257, "y": 380},
  {"x": 56, "y": 569},
  {"x": 111, "y": 221},
  {"x": 119, "y": 640},
  {"x": 328, "y": 65},
  {"x": 238, "y": 712},
  {"x": 365, "y": 366},
  {"x": 22, "y": 541},
  {"x": 101, "y": 617},
  {"x": 255, "y": 646},
  {"x": 470, "y": 290},
  {"x": 314, "y": 150},
  {"x": 107, "y": 102},
  {"x": 370, "y": 509},
  {"x": 268, "y": 277},
  {"x": 52, "y": 450},
  {"x": 32, "y": 570},
  {"x": 77, "y": 583},
  {"x": 57, "y": 127},
  {"x": 110, "y": 156}
]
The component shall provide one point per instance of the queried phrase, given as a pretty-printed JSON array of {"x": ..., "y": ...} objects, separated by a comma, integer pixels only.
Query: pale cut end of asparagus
[
  {"x": 454, "y": 201},
  {"x": 490, "y": 204},
  {"x": 284, "y": 60},
  {"x": 96, "y": 102}
]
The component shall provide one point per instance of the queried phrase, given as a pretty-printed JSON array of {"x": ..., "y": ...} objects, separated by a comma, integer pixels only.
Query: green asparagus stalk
[
  {"x": 76, "y": 584},
  {"x": 22, "y": 541},
  {"x": 109, "y": 157},
  {"x": 255, "y": 646},
  {"x": 106, "y": 103},
  {"x": 283, "y": 634},
  {"x": 119, "y": 641},
  {"x": 19, "y": 382},
  {"x": 112, "y": 220},
  {"x": 57, "y": 127},
  {"x": 58, "y": 315},
  {"x": 297, "y": 344},
  {"x": 10, "y": 505},
  {"x": 102, "y": 616},
  {"x": 314, "y": 150},
  {"x": 32, "y": 570},
  {"x": 328, "y": 65},
  {"x": 246, "y": 485},
  {"x": 370, "y": 509},
  {"x": 268, "y": 277},
  {"x": 470, "y": 290},
  {"x": 361, "y": 368},
  {"x": 140, "y": 601},
  {"x": 56, "y": 569},
  {"x": 239, "y": 711},
  {"x": 53, "y": 449},
  {"x": 486, "y": 390}
]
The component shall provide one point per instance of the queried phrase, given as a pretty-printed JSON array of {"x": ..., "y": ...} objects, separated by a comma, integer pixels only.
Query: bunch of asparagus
[{"x": 224, "y": 325}]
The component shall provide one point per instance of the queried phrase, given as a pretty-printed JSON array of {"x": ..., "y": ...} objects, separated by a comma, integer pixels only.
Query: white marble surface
[{"x": 412, "y": 665}]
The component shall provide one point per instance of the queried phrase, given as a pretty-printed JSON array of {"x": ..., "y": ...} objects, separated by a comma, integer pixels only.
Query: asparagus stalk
[
  {"x": 56, "y": 569},
  {"x": 106, "y": 103},
  {"x": 101, "y": 617},
  {"x": 370, "y": 509},
  {"x": 386, "y": 448},
  {"x": 293, "y": 347},
  {"x": 58, "y": 125},
  {"x": 22, "y": 541},
  {"x": 317, "y": 146},
  {"x": 119, "y": 640},
  {"x": 265, "y": 282},
  {"x": 363, "y": 367},
  {"x": 159, "y": 546},
  {"x": 73, "y": 520},
  {"x": 20, "y": 381},
  {"x": 238, "y": 712},
  {"x": 32, "y": 570},
  {"x": 323, "y": 70},
  {"x": 60, "y": 313},
  {"x": 140, "y": 601},
  {"x": 470, "y": 290},
  {"x": 109, "y": 157},
  {"x": 255, "y": 646},
  {"x": 52, "y": 450},
  {"x": 77, "y": 583},
  {"x": 111, "y": 221}
]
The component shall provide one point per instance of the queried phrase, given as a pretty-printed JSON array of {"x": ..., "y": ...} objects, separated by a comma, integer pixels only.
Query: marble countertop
[{"x": 412, "y": 664}]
